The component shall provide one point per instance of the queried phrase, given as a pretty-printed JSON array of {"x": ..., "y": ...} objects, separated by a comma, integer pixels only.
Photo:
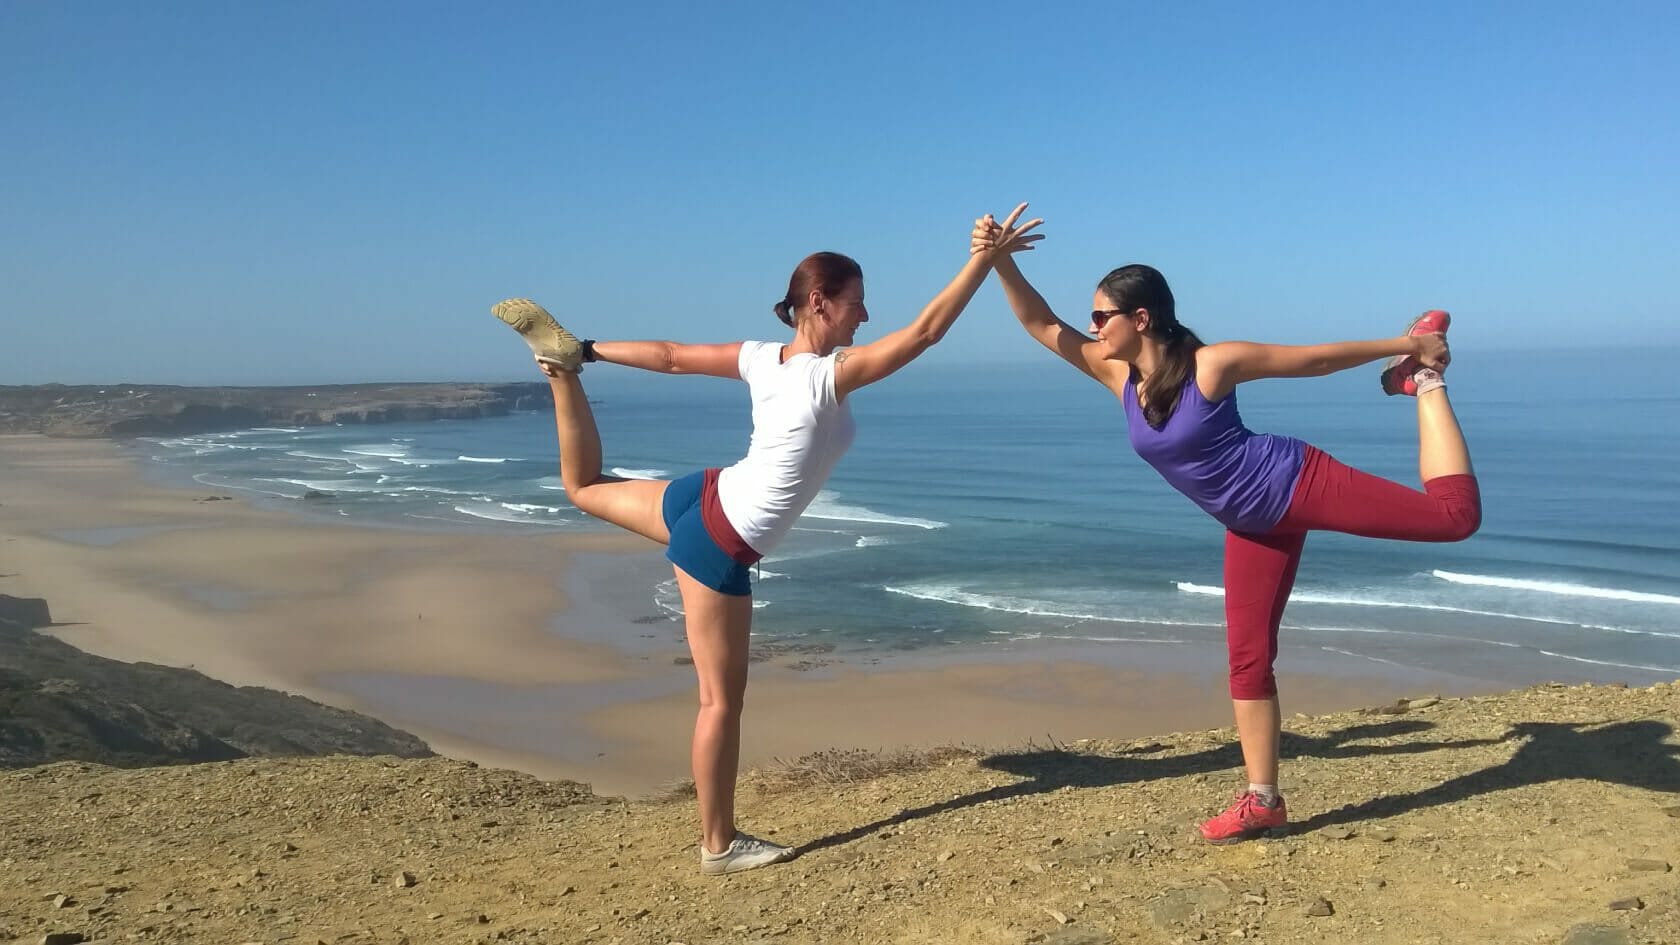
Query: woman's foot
[
  {"x": 548, "y": 341},
  {"x": 1398, "y": 374},
  {"x": 1248, "y": 818},
  {"x": 743, "y": 853}
]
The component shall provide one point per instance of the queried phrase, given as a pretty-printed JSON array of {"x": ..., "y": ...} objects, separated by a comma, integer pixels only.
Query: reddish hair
[{"x": 828, "y": 273}]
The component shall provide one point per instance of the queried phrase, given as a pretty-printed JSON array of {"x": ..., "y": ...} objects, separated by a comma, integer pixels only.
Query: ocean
[{"x": 1000, "y": 507}]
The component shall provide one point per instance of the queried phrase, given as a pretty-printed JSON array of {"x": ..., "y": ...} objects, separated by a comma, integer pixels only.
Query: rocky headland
[{"x": 145, "y": 409}]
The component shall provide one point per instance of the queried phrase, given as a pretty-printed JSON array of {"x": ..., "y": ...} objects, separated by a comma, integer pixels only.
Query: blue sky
[{"x": 314, "y": 192}]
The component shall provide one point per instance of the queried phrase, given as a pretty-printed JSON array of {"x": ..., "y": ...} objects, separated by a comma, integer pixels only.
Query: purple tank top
[{"x": 1244, "y": 479}]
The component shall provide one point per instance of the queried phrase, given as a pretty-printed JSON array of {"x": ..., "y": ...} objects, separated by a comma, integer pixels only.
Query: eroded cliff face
[{"x": 141, "y": 410}]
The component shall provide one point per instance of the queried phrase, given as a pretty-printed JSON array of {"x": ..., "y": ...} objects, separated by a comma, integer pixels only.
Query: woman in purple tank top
[{"x": 1268, "y": 491}]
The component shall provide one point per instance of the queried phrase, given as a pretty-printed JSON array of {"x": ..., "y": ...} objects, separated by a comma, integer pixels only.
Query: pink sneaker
[
  {"x": 1247, "y": 819},
  {"x": 1397, "y": 371}
]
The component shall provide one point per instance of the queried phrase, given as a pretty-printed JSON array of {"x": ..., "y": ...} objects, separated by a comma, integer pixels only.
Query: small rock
[
  {"x": 1254, "y": 898},
  {"x": 1630, "y": 904},
  {"x": 1321, "y": 907},
  {"x": 434, "y": 916},
  {"x": 1672, "y": 811},
  {"x": 1648, "y": 866},
  {"x": 568, "y": 890},
  {"x": 1375, "y": 883},
  {"x": 1595, "y": 935},
  {"x": 404, "y": 880},
  {"x": 946, "y": 856},
  {"x": 1337, "y": 833},
  {"x": 63, "y": 938},
  {"x": 597, "y": 928},
  {"x": 65, "y": 902},
  {"x": 1423, "y": 703},
  {"x": 1060, "y": 917},
  {"x": 1382, "y": 835}
]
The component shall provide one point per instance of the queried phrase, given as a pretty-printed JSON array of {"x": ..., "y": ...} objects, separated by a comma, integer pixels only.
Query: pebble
[
  {"x": 1630, "y": 904},
  {"x": 1648, "y": 866},
  {"x": 1595, "y": 935},
  {"x": 1320, "y": 908}
]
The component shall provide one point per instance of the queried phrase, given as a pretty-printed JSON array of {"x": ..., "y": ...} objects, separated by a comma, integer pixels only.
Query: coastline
[{"x": 544, "y": 652}]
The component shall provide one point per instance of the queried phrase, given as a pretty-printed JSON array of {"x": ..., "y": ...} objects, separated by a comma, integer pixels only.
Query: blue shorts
[{"x": 692, "y": 548}]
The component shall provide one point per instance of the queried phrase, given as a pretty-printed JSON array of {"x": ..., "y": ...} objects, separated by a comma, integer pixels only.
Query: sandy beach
[{"x": 538, "y": 651}]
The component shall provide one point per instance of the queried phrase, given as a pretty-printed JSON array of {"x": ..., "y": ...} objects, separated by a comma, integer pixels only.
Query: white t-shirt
[{"x": 801, "y": 428}]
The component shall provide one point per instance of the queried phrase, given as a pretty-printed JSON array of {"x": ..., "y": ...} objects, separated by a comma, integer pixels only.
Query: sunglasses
[{"x": 1100, "y": 317}]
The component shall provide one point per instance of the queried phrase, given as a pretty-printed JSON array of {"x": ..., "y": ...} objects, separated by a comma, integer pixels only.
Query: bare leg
[
  {"x": 1259, "y": 724},
  {"x": 634, "y": 504},
  {"x": 719, "y": 626},
  {"x": 1441, "y": 447}
]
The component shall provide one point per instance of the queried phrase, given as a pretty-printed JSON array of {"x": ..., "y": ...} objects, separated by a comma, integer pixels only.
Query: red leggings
[{"x": 1329, "y": 496}]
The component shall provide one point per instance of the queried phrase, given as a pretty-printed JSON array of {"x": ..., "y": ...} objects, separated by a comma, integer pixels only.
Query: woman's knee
[
  {"x": 723, "y": 705},
  {"x": 1461, "y": 505},
  {"x": 1252, "y": 680}
]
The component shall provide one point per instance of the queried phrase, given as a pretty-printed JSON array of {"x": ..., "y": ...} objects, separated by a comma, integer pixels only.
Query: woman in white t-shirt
[{"x": 717, "y": 522}]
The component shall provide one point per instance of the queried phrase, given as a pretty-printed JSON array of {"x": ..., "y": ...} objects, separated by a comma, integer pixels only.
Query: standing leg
[
  {"x": 718, "y": 629},
  {"x": 1259, "y": 574}
]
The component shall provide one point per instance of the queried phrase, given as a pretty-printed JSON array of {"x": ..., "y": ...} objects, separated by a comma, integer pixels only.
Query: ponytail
[
  {"x": 828, "y": 273},
  {"x": 1167, "y": 383}
]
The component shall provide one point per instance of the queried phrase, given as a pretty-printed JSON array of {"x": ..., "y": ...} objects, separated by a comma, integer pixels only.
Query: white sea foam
[
  {"x": 1670, "y": 670},
  {"x": 391, "y": 451},
  {"x": 1557, "y": 587},
  {"x": 328, "y": 485},
  {"x": 625, "y": 472},
  {"x": 1314, "y": 597},
  {"x": 493, "y": 511},
  {"x": 487, "y": 459},
  {"x": 1362, "y": 656},
  {"x": 872, "y": 541},
  {"x": 826, "y": 506},
  {"x": 526, "y": 507},
  {"x": 206, "y": 479},
  {"x": 323, "y": 457},
  {"x": 953, "y": 594},
  {"x": 438, "y": 490}
]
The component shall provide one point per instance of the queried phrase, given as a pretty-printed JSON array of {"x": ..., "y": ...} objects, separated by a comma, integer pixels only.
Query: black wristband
[{"x": 589, "y": 351}]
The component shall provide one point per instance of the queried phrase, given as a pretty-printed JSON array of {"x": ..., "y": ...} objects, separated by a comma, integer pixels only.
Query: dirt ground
[{"x": 1545, "y": 815}]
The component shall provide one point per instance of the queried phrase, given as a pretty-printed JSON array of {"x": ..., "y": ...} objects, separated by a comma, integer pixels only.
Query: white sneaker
[{"x": 743, "y": 853}]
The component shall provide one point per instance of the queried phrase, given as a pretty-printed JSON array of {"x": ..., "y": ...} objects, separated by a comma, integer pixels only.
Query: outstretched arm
[
  {"x": 1221, "y": 367},
  {"x": 864, "y": 365},
  {"x": 1074, "y": 346},
  {"x": 669, "y": 357}
]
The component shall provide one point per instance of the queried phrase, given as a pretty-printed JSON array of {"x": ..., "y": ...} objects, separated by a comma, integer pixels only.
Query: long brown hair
[
  {"x": 828, "y": 273},
  {"x": 1138, "y": 286}
]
